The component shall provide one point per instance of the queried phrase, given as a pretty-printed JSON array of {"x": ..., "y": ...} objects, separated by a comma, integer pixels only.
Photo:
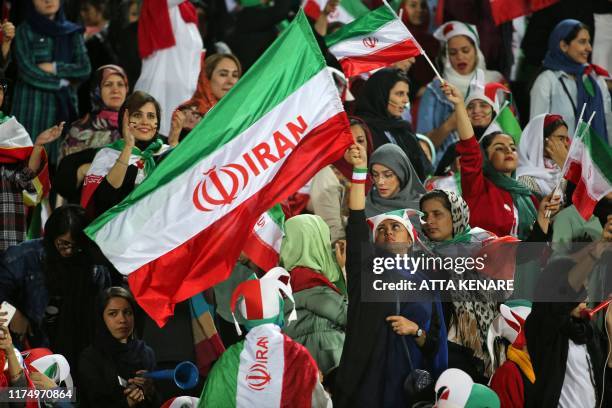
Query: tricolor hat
[
  {"x": 492, "y": 93},
  {"x": 456, "y": 389},
  {"x": 262, "y": 300},
  {"x": 510, "y": 324},
  {"x": 54, "y": 366},
  {"x": 182, "y": 402},
  {"x": 401, "y": 216},
  {"x": 454, "y": 28}
]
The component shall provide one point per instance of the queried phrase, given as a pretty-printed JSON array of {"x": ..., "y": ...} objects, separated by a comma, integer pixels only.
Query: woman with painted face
[
  {"x": 51, "y": 57},
  {"x": 385, "y": 341},
  {"x": 542, "y": 152},
  {"x": 461, "y": 58},
  {"x": 498, "y": 203},
  {"x": 109, "y": 368},
  {"x": 396, "y": 184},
  {"x": 469, "y": 315},
  {"x": 569, "y": 81},
  {"x": 118, "y": 168},
  {"x": 52, "y": 282},
  {"x": 381, "y": 103}
]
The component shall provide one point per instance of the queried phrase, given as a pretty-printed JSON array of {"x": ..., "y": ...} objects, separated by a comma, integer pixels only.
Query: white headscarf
[
  {"x": 452, "y": 29},
  {"x": 531, "y": 157}
]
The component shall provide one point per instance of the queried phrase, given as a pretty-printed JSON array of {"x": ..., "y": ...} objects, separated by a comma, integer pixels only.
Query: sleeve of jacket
[
  {"x": 540, "y": 94},
  {"x": 329, "y": 305},
  {"x": 80, "y": 67},
  {"x": 426, "y": 123},
  {"x": 472, "y": 177},
  {"x": 28, "y": 70},
  {"x": 357, "y": 252}
]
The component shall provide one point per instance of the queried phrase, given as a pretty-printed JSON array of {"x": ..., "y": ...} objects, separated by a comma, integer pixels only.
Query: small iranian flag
[
  {"x": 267, "y": 369},
  {"x": 263, "y": 245},
  {"x": 506, "y": 122},
  {"x": 182, "y": 229},
  {"x": 589, "y": 166},
  {"x": 347, "y": 10},
  {"x": 374, "y": 41}
]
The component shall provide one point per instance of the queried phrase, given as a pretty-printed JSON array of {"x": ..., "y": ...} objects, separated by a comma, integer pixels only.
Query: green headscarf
[{"x": 307, "y": 243}]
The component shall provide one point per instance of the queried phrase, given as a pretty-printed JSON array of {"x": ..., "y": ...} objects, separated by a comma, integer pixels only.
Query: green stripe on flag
[
  {"x": 367, "y": 24},
  {"x": 222, "y": 381},
  {"x": 354, "y": 7},
  {"x": 508, "y": 123},
  {"x": 278, "y": 216},
  {"x": 285, "y": 67},
  {"x": 600, "y": 152}
]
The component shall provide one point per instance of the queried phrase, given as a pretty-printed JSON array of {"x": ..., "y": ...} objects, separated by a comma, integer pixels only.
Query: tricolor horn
[
  {"x": 185, "y": 375},
  {"x": 589, "y": 313}
]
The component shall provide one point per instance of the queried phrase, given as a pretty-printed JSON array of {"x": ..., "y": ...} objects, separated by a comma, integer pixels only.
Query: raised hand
[
  {"x": 357, "y": 156},
  {"x": 49, "y": 135},
  {"x": 452, "y": 93},
  {"x": 178, "y": 120},
  {"x": 8, "y": 31},
  {"x": 128, "y": 137},
  {"x": 556, "y": 150}
]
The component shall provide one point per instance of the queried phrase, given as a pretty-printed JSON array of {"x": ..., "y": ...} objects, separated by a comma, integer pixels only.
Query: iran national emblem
[
  {"x": 258, "y": 377},
  {"x": 220, "y": 187},
  {"x": 370, "y": 42}
]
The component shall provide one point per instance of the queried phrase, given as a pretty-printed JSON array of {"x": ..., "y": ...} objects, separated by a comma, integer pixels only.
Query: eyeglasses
[{"x": 63, "y": 245}]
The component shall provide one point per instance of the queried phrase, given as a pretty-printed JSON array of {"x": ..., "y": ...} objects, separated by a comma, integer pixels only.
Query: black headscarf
[
  {"x": 127, "y": 357},
  {"x": 372, "y": 108},
  {"x": 59, "y": 29}
]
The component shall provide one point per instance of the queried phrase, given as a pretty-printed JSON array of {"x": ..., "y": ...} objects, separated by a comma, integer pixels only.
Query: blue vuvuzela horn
[{"x": 185, "y": 375}]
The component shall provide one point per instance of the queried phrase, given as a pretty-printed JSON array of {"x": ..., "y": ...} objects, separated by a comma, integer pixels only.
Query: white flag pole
[{"x": 418, "y": 45}]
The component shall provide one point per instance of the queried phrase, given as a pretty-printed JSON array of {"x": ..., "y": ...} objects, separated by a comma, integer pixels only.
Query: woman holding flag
[
  {"x": 118, "y": 168},
  {"x": 498, "y": 203},
  {"x": 461, "y": 57},
  {"x": 569, "y": 81}
]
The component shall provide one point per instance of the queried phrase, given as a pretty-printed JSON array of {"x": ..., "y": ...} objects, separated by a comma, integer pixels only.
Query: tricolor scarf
[
  {"x": 523, "y": 361},
  {"x": 107, "y": 157},
  {"x": 206, "y": 341},
  {"x": 267, "y": 369},
  {"x": 588, "y": 91}
]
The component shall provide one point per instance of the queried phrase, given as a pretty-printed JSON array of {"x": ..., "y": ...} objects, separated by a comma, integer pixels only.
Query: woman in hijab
[
  {"x": 498, "y": 203},
  {"x": 383, "y": 337},
  {"x": 469, "y": 315},
  {"x": 318, "y": 287},
  {"x": 118, "y": 168},
  {"x": 542, "y": 152},
  {"x": 381, "y": 104},
  {"x": 396, "y": 184},
  {"x": 51, "y": 57},
  {"x": 461, "y": 58},
  {"x": 52, "y": 282},
  {"x": 99, "y": 128},
  {"x": 569, "y": 81},
  {"x": 219, "y": 74},
  {"x": 109, "y": 367}
]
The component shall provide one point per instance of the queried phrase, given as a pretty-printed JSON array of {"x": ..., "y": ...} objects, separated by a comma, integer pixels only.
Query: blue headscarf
[
  {"x": 60, "y": 29},
  {"x": 556, "y": 59}
]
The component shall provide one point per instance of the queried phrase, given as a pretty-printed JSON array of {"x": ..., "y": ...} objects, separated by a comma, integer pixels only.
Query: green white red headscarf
[{"x": 401, "y": 216}]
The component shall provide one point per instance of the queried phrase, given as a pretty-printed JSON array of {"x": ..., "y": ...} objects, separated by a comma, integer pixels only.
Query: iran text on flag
[
  {"x": 589, "y": 166},
  {"x": 263, "y": 245},
  {"x": 347, "y": 10},
  {"x": 182, "y": 229},
  {"x": 375, "y": 40}
]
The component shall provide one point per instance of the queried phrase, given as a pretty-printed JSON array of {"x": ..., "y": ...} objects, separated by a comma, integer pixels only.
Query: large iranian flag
[
  {"x": 347, "y": 10},
  {"x": 182, "y": 229},
  {"x": 373, "y": 41},
  {"x": 589, "y": 166}
]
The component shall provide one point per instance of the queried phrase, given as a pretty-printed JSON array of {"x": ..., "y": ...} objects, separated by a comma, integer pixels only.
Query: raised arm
[{"x": 358, "y": 158}]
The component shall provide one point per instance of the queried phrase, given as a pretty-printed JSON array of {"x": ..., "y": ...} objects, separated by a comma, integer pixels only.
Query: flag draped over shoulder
[
  {"x": 589, "y": 167},
  {"x": 376, "y": 40},
  {"x": 181, "y": 230}
]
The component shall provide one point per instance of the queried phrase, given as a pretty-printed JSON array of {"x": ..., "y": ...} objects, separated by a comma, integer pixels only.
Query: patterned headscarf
[{"x": 460, "y": 213}]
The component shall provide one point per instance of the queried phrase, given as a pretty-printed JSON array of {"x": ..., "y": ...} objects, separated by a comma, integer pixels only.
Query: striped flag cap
[
  {"x": 261, "y": 300},
  {"x": 402, "y": 216}
]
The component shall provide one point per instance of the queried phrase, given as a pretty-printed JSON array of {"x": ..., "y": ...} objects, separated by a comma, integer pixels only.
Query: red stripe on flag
[
  {"x": 574, "y": 172},
  {"x": 353, "y": 66},
  {"x": 14, "y": 154},
  {"x": 584, "y": 203},
  {"x": 262, "y": 254},
  {"x": 312, "y": 9},
  {"x": 300, "y": 375},
  {"x": 208, "y": 258}
]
